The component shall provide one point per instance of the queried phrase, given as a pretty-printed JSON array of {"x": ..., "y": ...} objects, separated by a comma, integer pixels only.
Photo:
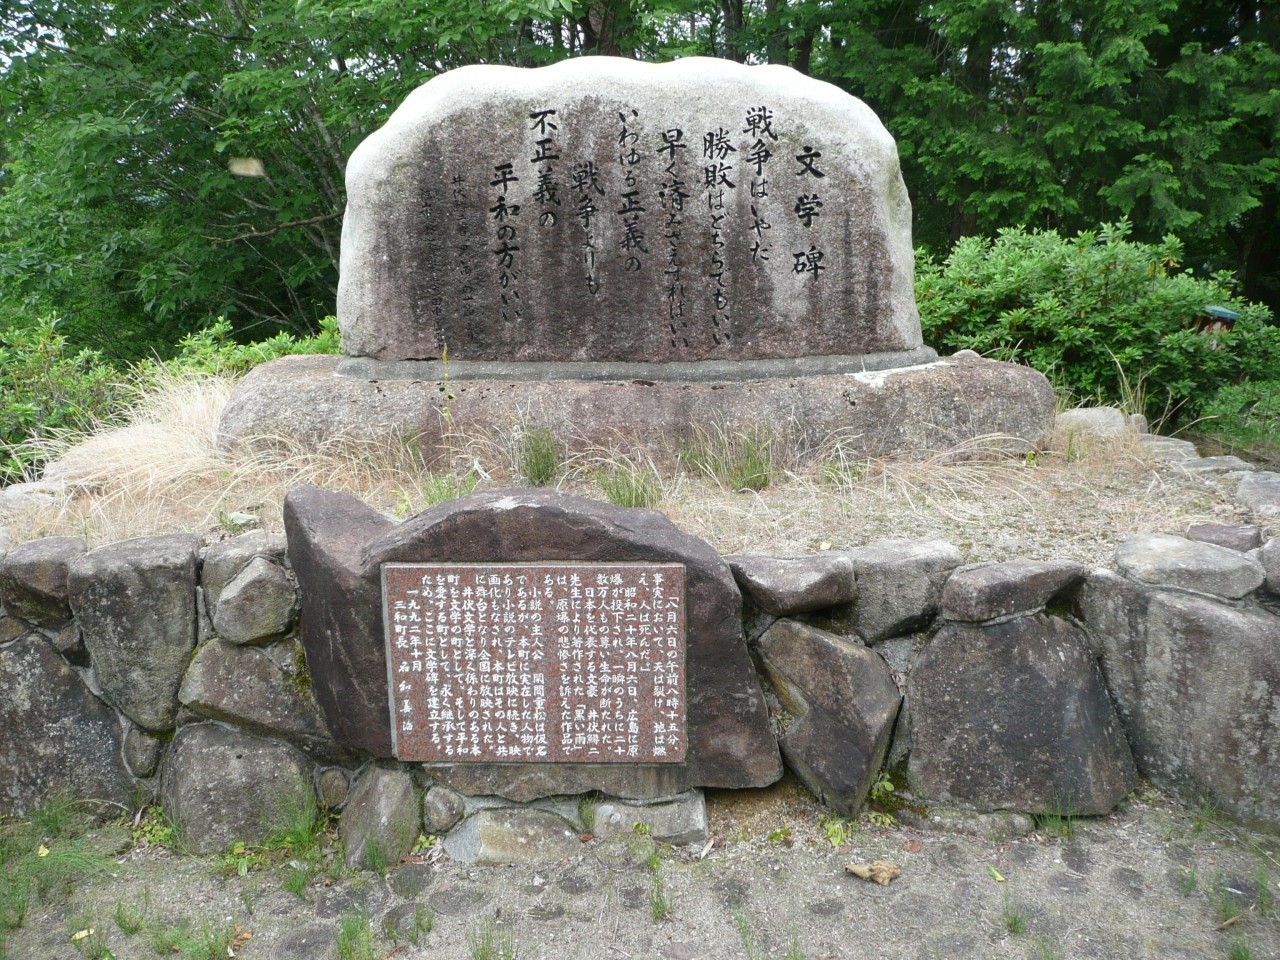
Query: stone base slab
[{"x": 930, "y": 406}]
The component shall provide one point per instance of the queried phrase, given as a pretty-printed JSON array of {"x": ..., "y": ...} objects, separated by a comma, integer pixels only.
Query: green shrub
[
  {"x": 1247, "y": 415},
  {"x": 1096, "y": 313},
  {"x": 212, "y": 350},
  {"x": 47, "y": 389}
]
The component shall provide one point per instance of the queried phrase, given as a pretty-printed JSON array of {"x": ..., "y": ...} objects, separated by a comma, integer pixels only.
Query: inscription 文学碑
[{"x": 514, "y": 663}]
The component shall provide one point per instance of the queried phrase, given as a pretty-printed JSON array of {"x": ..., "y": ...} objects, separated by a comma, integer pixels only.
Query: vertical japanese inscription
[{"x": 536, "y": 663}]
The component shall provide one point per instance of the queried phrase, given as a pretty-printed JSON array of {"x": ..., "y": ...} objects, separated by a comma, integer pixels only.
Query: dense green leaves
[
  {"x": 1106, "y": 318},
  {"x": 47, "y": 388}
]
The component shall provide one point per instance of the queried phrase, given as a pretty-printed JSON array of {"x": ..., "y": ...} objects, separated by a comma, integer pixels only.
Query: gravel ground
[{"x": 1154, "y": 880}]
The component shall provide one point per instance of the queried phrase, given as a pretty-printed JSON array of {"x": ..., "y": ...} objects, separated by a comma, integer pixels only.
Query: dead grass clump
[{"x": 163, "y": 471}]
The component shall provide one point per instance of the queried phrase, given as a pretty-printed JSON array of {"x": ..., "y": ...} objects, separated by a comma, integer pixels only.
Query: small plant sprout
[
  {"x": 423, "y": 922},
  {"x": 1206, "y": 815},
  {"x": 131, "y": 919},
  {"x": 490, "y": 943},
  {"x": 659, "y": 904},
  {"x": 1187, "y": 880},
  {"x": 749, "y": 946},
  {"x": 836, "y": 829},
  {"x": 1013, "y": 917}
]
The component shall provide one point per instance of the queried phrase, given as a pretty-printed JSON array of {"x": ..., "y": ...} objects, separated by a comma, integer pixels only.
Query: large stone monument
[{"x": 614, "y": 248}]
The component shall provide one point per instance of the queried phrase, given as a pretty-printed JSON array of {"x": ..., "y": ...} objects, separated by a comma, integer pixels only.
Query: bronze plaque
[{"x": 530, "y": 662}]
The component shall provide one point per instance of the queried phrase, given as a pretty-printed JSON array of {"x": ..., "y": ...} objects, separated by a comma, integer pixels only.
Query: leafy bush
[
  {"x": 46, "y": 389},
  {"x": 1097, "y": 313},
  {"x": 1246, "y": 414},
  {"x": 49, "y": 388},
  {"x": 213, "y": 350}
]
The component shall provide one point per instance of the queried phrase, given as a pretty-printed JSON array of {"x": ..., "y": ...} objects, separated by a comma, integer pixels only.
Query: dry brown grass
[{"x": 163, "y": 472}]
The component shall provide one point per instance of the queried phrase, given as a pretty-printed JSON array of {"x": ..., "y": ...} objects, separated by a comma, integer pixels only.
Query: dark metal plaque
[{"x": 519, "y": 663}]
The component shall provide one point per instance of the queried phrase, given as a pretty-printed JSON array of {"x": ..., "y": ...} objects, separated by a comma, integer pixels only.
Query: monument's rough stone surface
[
  {"x": 58, "y": 736},
  {"x": 1197, "y": 685},
  {"x": 605, "y": 209},
  {"x": 931, "y": 406},
  {"x": 136, "y": 604},
  {"x": 1015, "y": 715},
  {"x": 338, "y": 546}
]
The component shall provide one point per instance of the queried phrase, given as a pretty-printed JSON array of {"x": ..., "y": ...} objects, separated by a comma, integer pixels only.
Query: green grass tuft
[
  {"x": 539, "y": 456},
  {"x": 490, "y": 943}
]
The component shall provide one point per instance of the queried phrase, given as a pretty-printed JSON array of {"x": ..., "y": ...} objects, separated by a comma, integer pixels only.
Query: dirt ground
[{"x": 1154, "y": 880}]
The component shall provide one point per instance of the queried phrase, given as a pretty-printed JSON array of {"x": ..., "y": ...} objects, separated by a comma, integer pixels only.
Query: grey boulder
[
  {"x": 784, "y": 587},
  {"x": 513, "y": 835},
  {"x": 1015, "y": 715},
  {"x": 257, "y": 605},
  {"x": 381, "y": 820},
  {"x": 1260, "y": 492},
  {"x": 220, "y": 786},
  {"x": 679, "y": 820},
  {"x": 1170, "y": 561},
  {"x": 244, "y": 686},
  {"x": 993, "y": 591},
  {"x": 136, "y": 605},
  {"x": 54, "y": 734},
  {"x": 33, "y": 580},
  {"x": 1197, "y": 685},
  {"x": 1235, "y": 536},
  {"x": 899, "y": 585},
  {"x": 842, "y": 702}
]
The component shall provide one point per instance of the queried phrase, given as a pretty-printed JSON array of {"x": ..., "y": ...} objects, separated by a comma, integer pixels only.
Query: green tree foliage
[
  {"x": 1103, "y": 316},
  {"x": 166, "y": 163},
  {"x": 1063, "y": 115}
]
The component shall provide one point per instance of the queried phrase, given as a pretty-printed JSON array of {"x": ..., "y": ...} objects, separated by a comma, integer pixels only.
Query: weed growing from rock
[
  {"x": 737, "y": 461},
  {"x": 440, "y": 487},
  {"x": 629, "y": 486},
  {"x": 207, "y": 940},
  {"x": 43, "y": 856},
  {"x": 1262, "y": 895},
  {"x": 1206, "y": 815},
  {"x": 129, "y": 919},
  {"x": 1046, "y": 949},
  {"x": 296, "y": 880},
  {"x": 1228, "y": 904},
  {"x": 1187, "y": 881},
  {"x": 423, "y": 922},
  {"x": 1057, "y": 820}
]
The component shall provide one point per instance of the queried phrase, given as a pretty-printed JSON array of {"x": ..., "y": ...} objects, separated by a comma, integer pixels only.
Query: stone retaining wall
[{"x": 164, "y": 668}]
